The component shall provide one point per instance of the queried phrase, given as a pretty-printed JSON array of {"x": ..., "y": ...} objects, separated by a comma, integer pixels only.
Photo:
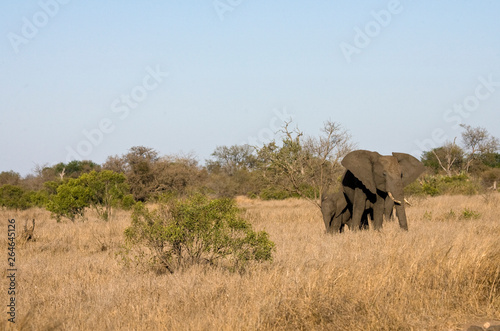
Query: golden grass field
[{"x": 443, "y": 274}]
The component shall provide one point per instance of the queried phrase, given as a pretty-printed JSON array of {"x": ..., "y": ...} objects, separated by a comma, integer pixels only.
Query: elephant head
[{"x": 381, "y": 177}]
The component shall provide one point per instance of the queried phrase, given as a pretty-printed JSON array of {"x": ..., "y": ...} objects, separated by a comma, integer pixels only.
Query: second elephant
[{"x": 336, "y": 211}]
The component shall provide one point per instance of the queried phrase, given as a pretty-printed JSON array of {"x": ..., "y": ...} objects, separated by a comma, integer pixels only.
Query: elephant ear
[
  {"x": 360, "y": 163},
  {"x": 411, "y": 168}
]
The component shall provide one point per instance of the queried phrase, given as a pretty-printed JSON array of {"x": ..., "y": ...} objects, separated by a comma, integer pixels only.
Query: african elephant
[
  {"x": 377, "y": 181},
  {"x": 337, "y": 213}
]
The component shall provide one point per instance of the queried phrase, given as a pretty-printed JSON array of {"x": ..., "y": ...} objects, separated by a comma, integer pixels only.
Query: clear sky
[{"x": 90, "y": 79}]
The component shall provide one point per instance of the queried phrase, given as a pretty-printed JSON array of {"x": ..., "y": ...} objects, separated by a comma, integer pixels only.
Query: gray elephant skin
[{"x": 371, "y": 186}]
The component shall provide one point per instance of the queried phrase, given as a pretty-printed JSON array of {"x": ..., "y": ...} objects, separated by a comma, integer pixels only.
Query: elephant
[
  {"x": 374, "y": 183},
  {"x": 337, "y": 213}
]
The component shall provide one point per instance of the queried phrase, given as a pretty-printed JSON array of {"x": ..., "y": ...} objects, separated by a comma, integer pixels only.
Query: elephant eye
[{"x": 385, "y": 174}]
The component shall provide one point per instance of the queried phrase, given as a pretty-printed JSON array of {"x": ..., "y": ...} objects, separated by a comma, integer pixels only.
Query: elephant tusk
[
  {"x": 392, "y": 197},
  {"x": 408, "y": 202}
]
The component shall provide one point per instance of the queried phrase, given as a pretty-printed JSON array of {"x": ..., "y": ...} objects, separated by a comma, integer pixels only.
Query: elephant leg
[
  {"x": 378, "y": 214},
  {"x": 358, "y": 209},
  {"x": 328, "y": 223}
]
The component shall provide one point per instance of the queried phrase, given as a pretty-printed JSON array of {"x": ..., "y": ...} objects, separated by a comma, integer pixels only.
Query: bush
[
  {"x": 437, "y": 185},
  {"x": 70, "y": 201},
  {"x": 98, "y": 190},
  {"x": 14, "y": 197},
  {"x": 196, "y": 230},
  {"x": 104, "y": 190},
  {"x": 127, "y": 202},
  {"x": 273, "y": 193}
]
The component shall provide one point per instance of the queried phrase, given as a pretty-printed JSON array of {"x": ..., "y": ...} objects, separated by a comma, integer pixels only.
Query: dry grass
[{"x": 440, "y": 275}]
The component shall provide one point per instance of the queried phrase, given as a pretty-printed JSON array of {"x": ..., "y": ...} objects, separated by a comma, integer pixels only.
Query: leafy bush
[
  {"x": 127, "y": 202},
  {"x": 194, "y": 231},
  {"x": 437, "y": 185},
  {"x": 104, "y": 190},
  {"x": 98, "y": 190},
  {"x": 274, "y": 193},
  {"x": 14, "y": 197},
  {"x": 37, "y": 198},
  {"x": 70, "y": 201}
]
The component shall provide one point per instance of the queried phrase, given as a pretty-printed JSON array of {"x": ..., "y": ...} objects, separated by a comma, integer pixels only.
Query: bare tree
[
  {"x": 304, "y": 165},
  {"x": 451, "y": 154},
  {"x": 62, "y": 173},
  {"x": 477, "y": 142}
]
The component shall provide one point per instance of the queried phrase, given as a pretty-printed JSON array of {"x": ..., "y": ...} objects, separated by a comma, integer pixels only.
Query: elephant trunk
[
  {"x": 401, "y": 213},
  {"x": 397, "y": 196}
]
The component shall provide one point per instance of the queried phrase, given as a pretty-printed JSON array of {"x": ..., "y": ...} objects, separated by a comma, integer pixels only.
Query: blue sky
[{"x": 89, "y": 79}]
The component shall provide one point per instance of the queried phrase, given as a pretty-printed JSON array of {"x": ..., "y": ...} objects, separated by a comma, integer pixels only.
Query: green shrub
[
  {"x": 104, "y": 189},
  {"x": 272, "y": 193},
  {"x": 431, "y": 188},
  {"x": 38, "y": 198},
  {"x": 196, "y": 230},
  {"x": 98, "y": 190},
  {"x": 14, "y": 197},
  {"x": 128, "y": 202},
  {"x": 70, "y": 201},
  {"x": 437, "y": 184}
]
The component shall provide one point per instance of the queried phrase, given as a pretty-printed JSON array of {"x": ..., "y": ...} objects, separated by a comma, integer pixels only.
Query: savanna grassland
[{"x": 444, "y": 273}]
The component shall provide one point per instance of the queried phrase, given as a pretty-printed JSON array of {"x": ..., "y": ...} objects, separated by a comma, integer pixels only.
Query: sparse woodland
[{"x": 146, "y": 241}]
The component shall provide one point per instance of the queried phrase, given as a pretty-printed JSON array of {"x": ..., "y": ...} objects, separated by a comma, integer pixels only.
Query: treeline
[
  {"x": 468, "y": 167},
  {"x": 293, "y": 166}
]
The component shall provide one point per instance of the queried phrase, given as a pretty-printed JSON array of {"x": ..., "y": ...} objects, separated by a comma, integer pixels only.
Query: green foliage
[
  {"x": 70, "y": 201},
  {"x": 14, "y": 197},
  {"x": 491, "y": 160},
  {"x": 468, "y": 214},
  {"x": 75, "y": 168},
  {"x": 275, "y": 193},
  {"x": 128, "y": 202},
  {"x": 38, "y": 198},
  {"x": 17, "y": 197},
  {"x": 104, "y": 190},
  {"x": 98, "y": 190},
  {"x": 194, "y": 231},
  {"x": 430, "y": 188},
  {"x": 437, "y": 184}
]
